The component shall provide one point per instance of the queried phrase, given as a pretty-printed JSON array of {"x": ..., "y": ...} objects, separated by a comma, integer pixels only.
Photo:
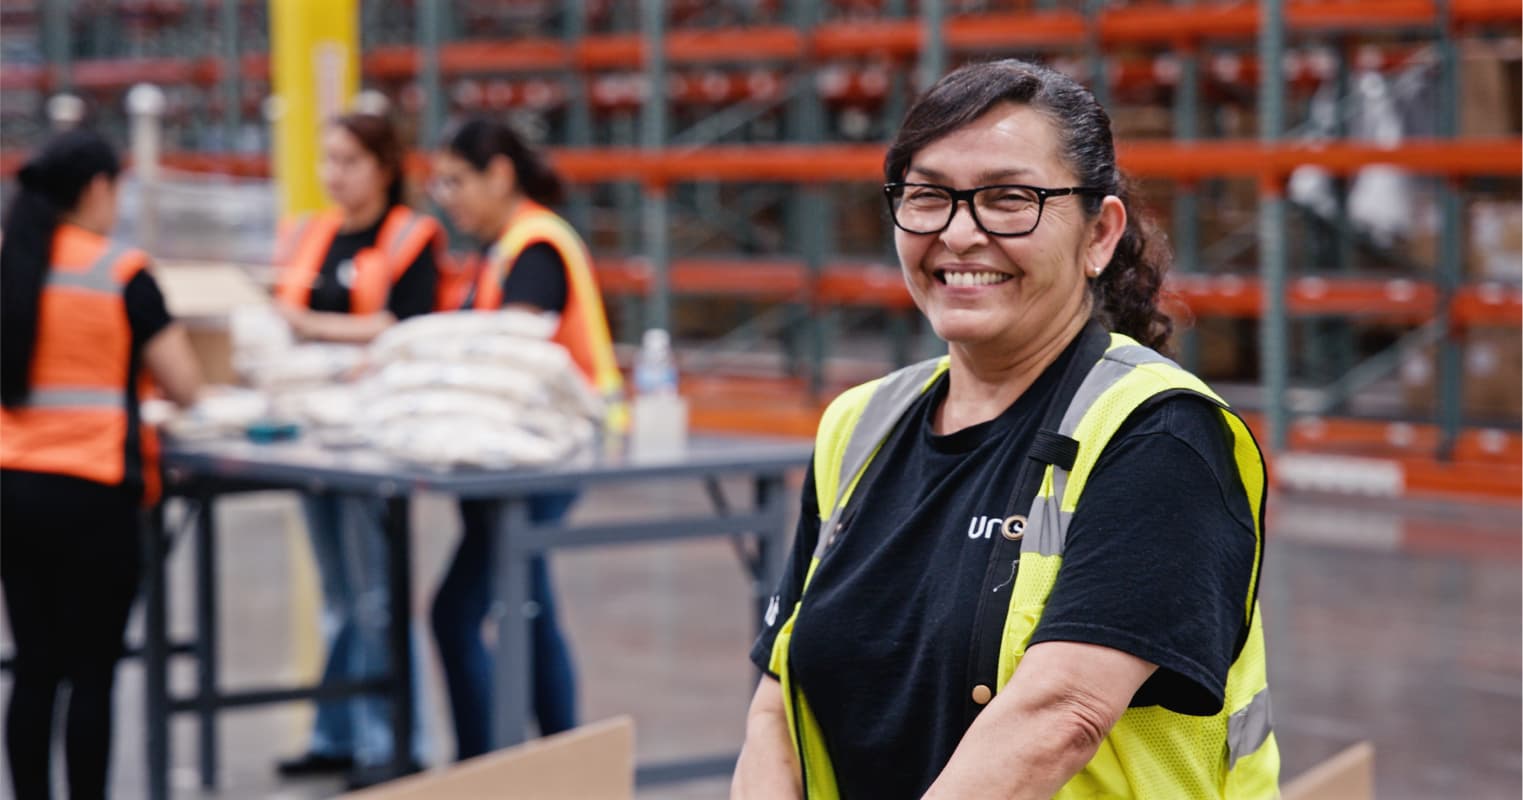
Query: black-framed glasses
[{"x": 1009, "y": 209}]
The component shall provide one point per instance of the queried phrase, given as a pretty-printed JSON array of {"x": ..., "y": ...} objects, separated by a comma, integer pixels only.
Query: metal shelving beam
[
  {"x": 232, "y": 89},
  {"x": 1274, "y": 354},
  {"x": 657, "y": 202},
  {"x": 1450, "y": 253},
  {"x": 429, "y": 21}
]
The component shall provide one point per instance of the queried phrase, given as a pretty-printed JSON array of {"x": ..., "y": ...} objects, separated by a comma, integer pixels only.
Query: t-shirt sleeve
[
  {"x": 538, "y": 278},
  {"x": 416, "y": 291},
  {"x": 1160, "y": 555},
  {"x": 146, "y": 312},
  {"x": 791, "y": 585}
]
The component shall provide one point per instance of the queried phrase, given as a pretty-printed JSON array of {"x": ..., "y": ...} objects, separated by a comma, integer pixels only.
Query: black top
[
  {"x": 538, "y": 278},
  {"x": 411, "y": 295},
  {"x": 1158, "y": 561},
  {"x": 146, "y": 316}
]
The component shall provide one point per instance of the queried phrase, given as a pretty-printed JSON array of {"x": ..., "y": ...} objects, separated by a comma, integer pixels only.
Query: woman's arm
[
  {"x": 172, "y": 363},
  {"x": 1046, "y": 725},
  {"x": 767, "y": 766},
  {"x": 327, "y": 326}
]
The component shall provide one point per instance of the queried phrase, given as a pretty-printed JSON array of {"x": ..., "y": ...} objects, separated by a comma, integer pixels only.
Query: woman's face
[
  {"x": 473, "y": 199},
  {"x": 977, "y": 289},
  {"x": 351, "y": 175}
]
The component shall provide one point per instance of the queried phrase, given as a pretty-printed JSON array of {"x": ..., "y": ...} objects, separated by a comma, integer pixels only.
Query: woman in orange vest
[
  {"x": 497, "y": 189},
  {"x": 347, "y": 274},
  {"x": 83, "y": 334}
]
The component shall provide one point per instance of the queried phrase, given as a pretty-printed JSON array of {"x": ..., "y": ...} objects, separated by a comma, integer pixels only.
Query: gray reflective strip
[
  {"x": 98, "y": 278},
  {"x": 398, "y": 240},
  {"x": 292, "y": 242},
  {"x": 1047, "y": 524},
  {"x": 895, "y": 393},
  {"x": 1249, "y": 728},
  {"x": 76, "y": 398}
]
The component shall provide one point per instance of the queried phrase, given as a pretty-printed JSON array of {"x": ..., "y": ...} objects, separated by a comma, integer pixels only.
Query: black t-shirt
[
  {"x": 411, "y": 295},
  {"x": 147, "y": 316},
  {"x": 538, "y": 278},
  {"x": 1157, "y": 563}
]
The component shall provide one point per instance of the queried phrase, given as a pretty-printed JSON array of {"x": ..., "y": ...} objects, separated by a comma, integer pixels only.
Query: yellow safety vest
[{"x": 1151, "y": 752}]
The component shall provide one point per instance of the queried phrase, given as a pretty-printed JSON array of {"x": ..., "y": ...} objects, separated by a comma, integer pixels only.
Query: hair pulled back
[
  {"x": 1126, "y": 293},
  {"x": 51, "y": 183},
  {"x": 478, "y": 140}
]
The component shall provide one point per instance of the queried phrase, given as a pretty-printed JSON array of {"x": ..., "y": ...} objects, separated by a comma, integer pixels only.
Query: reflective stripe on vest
[
  {"x": 583, "y": 328},
  {"x": 74, "y": 421},
  {"x": 1151, "y": 752},
  {"x": 401, "y": 238},
  {"x": 55, "y": 397}
]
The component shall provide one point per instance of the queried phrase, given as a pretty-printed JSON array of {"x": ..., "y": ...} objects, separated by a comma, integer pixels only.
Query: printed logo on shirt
[
  {"x": 772, "y": 608},
  {"x": 981, "y": 527},
  {"x": 345, "y": 273}
]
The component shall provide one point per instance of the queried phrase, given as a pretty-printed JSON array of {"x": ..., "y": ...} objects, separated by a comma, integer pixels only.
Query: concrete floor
[{"x": 1394, "y": 622}]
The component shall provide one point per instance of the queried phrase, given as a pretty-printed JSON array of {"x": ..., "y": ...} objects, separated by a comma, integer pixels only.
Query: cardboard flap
[{"x": 592, "y": 762}]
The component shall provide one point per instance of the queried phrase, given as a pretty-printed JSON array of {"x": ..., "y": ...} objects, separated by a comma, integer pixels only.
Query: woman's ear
[
  {"x": 1104, "y": 234},
  {"x": 501, "y": 176}
]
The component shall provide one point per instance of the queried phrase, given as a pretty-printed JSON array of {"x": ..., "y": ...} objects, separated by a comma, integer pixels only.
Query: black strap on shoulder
[
  {"x": 1005, "y": 553},
  {"x": 1054, "y": 448}
]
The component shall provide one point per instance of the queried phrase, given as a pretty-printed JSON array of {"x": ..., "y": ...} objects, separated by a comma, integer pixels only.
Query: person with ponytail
[
  {"x": 347, "y": 274},
  {"x": 84, "y": 337},
  {"x": 1028, "y": 568},
  {"x": 498, "y": 190}
]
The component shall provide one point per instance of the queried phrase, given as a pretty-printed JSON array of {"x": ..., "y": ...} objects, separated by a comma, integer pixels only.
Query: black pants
[{"x": 70, "y": 569}]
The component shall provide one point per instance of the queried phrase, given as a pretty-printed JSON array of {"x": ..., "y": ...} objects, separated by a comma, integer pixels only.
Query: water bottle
[
  {"x": 659, "y": 425},
  {"x": 655, "y": 369}
]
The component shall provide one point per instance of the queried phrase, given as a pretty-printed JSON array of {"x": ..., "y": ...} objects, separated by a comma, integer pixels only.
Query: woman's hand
[
  {"x": 767, "y": 767},
  {"x": 295, "y": 317}
]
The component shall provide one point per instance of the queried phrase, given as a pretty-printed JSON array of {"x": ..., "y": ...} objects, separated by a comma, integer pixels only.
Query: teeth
[{"x": 973, "y": 278}]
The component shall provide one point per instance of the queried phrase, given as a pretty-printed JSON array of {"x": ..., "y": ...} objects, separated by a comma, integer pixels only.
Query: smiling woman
[{"x": 1106, "y": 642}]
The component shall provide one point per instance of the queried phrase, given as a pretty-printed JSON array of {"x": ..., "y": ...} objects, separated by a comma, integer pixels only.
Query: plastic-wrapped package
[
  {"x": 445, "y": 442},
  {"x": 430, "y": 330},
  {"x": 520, "y": 386},
  {"x": 226, "y": 411},
  {"x": 325, "y": 407},
  {"x": 304, "y": 365}
]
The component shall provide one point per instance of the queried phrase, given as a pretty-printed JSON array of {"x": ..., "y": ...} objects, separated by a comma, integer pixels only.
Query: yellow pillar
[{"x": 314, "y": 66}]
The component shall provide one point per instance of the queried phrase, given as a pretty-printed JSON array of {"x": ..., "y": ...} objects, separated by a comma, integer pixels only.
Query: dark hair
[
  {"x": 51, "y": 181},
  {"x": 1126, "y": 293},
  {"x": 379, "y": 137},
  {"x": 478, "y": 140}
]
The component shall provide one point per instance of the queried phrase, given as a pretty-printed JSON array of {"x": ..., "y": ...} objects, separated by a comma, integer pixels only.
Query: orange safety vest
[
  {"x": 583, "y": 327},
  {"x": 75, "y": 420},
  {"x": 403, "y": 235}
]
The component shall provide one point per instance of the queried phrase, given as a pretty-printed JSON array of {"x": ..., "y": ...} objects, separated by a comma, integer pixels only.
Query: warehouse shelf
[
  {"x": 1177, "y": 160},
  {"x": 896, "y": 38}
]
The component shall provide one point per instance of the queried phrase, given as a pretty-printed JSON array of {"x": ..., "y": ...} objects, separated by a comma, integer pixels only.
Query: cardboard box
[
  {"x": 592, "y": 762},
  {"x": 1489, "y": 90},
  {"x": 1491, "y": 363},
  {"x": 203, "y": 296},
  {"x": 1350, "y": 775}
]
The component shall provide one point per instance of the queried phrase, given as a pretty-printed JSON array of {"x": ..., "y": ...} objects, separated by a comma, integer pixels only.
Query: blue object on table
[{"x": 269, "y": 430}]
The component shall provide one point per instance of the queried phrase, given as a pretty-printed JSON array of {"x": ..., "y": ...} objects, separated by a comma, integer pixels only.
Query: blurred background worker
[
  {"x": 85, "y": 334},
  {"x": 349, "y": 273},
  {"x": 497, "y": 189}
]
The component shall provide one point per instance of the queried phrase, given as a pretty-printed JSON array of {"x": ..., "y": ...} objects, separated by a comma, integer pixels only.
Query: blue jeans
[
  {"x": 461, "y": 607},
  {"x": 349, "y": 546}
]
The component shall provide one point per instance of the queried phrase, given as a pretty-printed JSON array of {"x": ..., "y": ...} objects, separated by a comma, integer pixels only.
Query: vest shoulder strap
[
  {"x": 403, "y": 236},
  {"x": 855, "y": 425}
]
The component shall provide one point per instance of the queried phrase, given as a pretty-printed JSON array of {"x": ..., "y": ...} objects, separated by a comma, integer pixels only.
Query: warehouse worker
[
  {"x": 1028, "y": 569},
  {"x": 347, "y": 274},
  {"x": 497, "y": 189},
  {"x": 84, "y": 333}
]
